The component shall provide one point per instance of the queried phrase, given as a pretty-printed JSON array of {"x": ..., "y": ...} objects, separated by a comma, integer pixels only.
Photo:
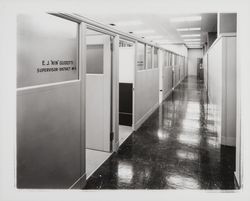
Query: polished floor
[
  {"x": 94, "y": 159},
  {"x": 124, "y": 133},
  {"x": 176, "y": 148}
]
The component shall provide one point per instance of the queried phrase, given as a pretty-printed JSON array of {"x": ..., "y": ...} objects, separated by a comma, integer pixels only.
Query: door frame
[{"x": 115, "y": 89}]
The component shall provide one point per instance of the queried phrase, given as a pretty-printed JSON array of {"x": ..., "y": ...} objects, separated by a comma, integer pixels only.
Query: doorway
[
  {"x": 126, "y": 89},
  {"x": 98, "y": 99}
]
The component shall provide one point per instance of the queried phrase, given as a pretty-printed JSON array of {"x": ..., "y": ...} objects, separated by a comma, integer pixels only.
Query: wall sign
[
  {"x": 56, "y": 66},
  {"x": 47, "y": 50}
]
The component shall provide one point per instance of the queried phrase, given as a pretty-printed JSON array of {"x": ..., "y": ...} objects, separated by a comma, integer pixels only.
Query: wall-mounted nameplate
[{"x": 46, "y": 50}]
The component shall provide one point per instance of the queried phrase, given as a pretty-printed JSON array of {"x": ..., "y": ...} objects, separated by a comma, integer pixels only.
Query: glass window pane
[
  {"x": 47, "y": 50},
  {"x": 165, "y": 58},
  {"x": 155, "y": 57},
  {"x": 94, "y": 59},
  {"x": 140, "y": 56},
  {"x": 168, "y": 58},
  {"x": 149, "y": 57}
]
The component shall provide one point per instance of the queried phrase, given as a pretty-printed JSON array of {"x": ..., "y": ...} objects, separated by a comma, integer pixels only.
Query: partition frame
[{"x": 80, "y": 81}]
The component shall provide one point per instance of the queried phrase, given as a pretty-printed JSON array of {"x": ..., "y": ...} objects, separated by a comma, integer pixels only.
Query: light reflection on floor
[
  {"x": 181, "y": 181},
  {"x": 187, "y": 123},
  {"x": 189, "y": 139},
  {"x": 162, "y": 135},
  {"x": 193, "y": 107},
  {"x": 125, "y": 172},
  {"x": 186, "y": 155}
]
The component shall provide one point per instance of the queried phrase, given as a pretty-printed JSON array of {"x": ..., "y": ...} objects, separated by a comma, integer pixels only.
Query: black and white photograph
[{"x": 124, "y": 100}]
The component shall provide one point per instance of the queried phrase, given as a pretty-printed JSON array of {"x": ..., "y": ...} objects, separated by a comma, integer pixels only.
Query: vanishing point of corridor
[{"x": 176, "y": 148}]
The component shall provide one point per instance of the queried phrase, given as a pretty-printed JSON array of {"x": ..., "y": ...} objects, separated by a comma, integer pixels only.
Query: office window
[
  {"x": 170, "y": 59},
  {"x": 47, "y": 50},
  {"x": 173, "y": 59},
  {"x": 94, "y": 59},
  {"x": 140, "y": 56},
  {"x": 149, "y": 57},
  {"x": 166, "y": 59},
  {"x": 123, "y": 43},
  {"x": 155, "y": 57}
]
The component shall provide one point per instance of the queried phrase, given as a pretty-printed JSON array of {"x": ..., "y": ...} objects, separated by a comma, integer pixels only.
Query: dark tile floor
[{"x": 176, "y": 148}]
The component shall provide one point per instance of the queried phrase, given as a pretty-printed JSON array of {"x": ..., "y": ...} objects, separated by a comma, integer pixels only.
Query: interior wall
[
  {"x": 126, "y": 64},
  {"x": 166, "y": 76},
  {"x": 147, "y": 94},
  {"x": 49, "y": 111},
  {"x": 167, "y": 81},
  {"x": 227, "y": 22},
  {"x": 211, "y": 38},
  {"x": 205, "y": 66},
  {"x": 222, "y": 87},
  {"x": 193, "y": 55}
]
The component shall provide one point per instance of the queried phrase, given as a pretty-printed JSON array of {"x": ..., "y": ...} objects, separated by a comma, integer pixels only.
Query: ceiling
[{"x": 162, "y": 26}]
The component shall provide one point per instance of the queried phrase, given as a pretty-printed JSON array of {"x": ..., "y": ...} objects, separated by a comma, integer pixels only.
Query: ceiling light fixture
[
  {"x": 190, "y": 35},
  {"x": 128, "y": 23},
  {"x": 186, "y": 19},
  {"x": 189, "y": 29}
]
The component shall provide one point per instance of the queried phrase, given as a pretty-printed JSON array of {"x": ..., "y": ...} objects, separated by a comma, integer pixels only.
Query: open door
[
  {"x": 126, "y": 88},
  {"x": 98, "y": 91}
]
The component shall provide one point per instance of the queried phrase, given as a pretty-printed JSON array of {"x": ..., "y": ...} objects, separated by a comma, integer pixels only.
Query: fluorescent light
[
  {"x": 189, "y": 29},
  {"x": 186, "y": 19},
  {"x": 146, "y": 31},
  {"x": 128, "y": 23},
  {"x": 153, "y": 37},
  {"x": 193, "y": 39},
  {"x": 190, "y": 35}
]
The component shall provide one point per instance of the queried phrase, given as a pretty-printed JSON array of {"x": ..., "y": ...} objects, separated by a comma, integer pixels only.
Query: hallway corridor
[{"x": 176, "y": 148}]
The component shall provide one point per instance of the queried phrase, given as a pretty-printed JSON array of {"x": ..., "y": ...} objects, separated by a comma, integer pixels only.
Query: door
[
  {"x": 162, "y": 58},
  {"x": 98, "y": 92},
  {"x": 200, "y": 69}
]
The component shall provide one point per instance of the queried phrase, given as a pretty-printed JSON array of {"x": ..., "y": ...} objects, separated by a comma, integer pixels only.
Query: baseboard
[
  {"x": 79, "y": 183},
  {"x": 177, "y": 84},
  {"x": 145, "y": 117},
  {"x": 116, "y": 146},
  {"x": 167, "y": 94},
  {"x": 236, "y": 181},
  {"x": 229, "y": 141}
]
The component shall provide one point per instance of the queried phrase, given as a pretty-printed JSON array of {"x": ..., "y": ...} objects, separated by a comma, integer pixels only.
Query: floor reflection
[
  {"x": 180, "y": 181},
  {"x": 125, "y": 172},
  {"x": 187, "y": 155},
  {"x": 189, "y": 139},
  {"x": 176, "y": 148},
  {"x": 162, "y": 135}
]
